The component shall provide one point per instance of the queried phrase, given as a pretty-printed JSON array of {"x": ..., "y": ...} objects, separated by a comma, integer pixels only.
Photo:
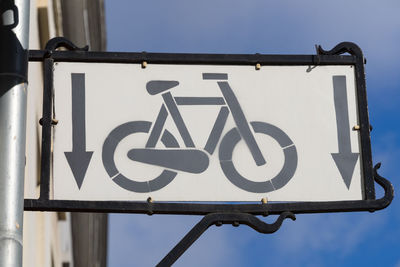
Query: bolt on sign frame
[{"x": 214, "y": 213}]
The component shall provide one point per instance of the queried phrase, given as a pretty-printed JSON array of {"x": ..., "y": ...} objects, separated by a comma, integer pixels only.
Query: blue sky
[{"x": 271, "y": 27}]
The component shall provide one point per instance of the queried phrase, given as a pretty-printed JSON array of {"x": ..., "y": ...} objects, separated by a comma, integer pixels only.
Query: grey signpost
[{"x": 14, "y": 36}]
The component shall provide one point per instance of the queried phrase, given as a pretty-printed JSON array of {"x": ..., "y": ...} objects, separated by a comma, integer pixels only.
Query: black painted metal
[
  {"x": 333, "y": 57},
  {"x": 218, "y": 219},
  {"x": 58, "y": 42},
  {"x": 46, "y": 122},
  {"x": 182, "y": 58}
]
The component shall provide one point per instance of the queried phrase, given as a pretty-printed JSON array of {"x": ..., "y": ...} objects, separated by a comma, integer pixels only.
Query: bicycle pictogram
[{"x": 192, "y": 159}]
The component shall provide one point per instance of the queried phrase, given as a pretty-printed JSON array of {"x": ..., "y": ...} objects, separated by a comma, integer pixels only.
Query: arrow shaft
[
  {"x": 342, "y": 113},
  {"x": 78, "y": 112}
]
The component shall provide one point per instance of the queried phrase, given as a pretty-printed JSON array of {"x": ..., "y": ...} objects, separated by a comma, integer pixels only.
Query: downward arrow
[
  {"x": 345, "y": 160},
  {"x": 78, "y": 159}
]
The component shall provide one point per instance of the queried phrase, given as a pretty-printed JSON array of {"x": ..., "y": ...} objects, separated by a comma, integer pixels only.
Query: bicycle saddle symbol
[{"x": 192, "y": 159}]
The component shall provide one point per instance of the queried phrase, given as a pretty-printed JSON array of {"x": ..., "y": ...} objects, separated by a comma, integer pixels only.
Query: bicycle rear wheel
[
  {"x": 232, "y": 138},
  {"x": 110, "y": 146}
]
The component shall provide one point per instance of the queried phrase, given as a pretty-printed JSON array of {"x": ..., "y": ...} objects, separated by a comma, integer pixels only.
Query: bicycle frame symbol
[{"x": 192, "y": 159}]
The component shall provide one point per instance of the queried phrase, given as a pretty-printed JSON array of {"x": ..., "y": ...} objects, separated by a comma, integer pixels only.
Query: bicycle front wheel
[{"x": 232, "y": 138}]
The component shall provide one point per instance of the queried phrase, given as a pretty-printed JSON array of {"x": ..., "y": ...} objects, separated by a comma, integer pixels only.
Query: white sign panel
[{"x": 205, "y": 133}]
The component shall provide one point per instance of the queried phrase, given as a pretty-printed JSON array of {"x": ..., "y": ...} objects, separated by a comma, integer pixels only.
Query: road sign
[
  {"x": 205, "y": 133},
  {"x": 179, "y": 132},
  {"x": 201, "y": 134}
]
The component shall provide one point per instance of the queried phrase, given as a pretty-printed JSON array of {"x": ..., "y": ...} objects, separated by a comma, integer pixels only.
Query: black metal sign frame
[
  {"x": 214, "y": 213},
  {"x": 333, "y": 57}
]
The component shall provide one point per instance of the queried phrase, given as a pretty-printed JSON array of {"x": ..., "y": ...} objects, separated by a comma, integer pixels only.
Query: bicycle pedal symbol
[{"x": 192, "y": 159}]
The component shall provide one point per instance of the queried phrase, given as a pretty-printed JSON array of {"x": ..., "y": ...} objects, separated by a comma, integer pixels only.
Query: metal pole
[{"x": 14, "y": 36}]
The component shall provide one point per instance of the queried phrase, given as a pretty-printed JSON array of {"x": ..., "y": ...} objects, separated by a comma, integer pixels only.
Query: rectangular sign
[{"x": 180, "y": 132}]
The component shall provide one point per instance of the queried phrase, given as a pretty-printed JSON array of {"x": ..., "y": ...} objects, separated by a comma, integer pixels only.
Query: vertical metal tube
[{"x": 14, "y": 36}]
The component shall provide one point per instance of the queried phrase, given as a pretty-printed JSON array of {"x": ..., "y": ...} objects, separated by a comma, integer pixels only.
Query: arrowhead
[
  {"x": 345, "y": 163},
  {"x": 79, "y": 162}
]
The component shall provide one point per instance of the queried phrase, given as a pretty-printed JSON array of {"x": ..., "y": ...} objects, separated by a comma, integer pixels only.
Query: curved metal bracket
[
  {"x": 58, "y": 42},
  {"x": 250, "y": 220},
  {"x": 385, "y": 201},
  {"x": 218, "y": 219},
  {"x": 341, "y": 48}
]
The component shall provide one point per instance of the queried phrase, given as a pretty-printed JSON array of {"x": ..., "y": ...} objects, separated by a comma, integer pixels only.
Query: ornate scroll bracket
[
  {"x": 58, "y": 42},
  {"x": 387, "y": 186},
  {"x": 341, "y": 48},
  {"x": 218, "y": 219}
]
